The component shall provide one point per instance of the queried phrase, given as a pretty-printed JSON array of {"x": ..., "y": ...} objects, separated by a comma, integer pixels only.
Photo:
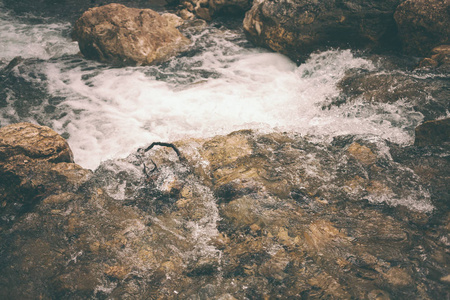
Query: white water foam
[
  {"x": 42, "y": 41},
  {"x": 119, "y": 110},
  {"x": 223, "y": 86}
]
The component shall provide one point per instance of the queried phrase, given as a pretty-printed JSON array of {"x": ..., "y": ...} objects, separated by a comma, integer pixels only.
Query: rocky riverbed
[
  {"x": 241, "y": 216},
  {"x": 340, "y": 190}
]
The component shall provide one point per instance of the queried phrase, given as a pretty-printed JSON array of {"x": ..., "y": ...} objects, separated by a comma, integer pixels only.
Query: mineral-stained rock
[
  {"x": 436, "y": 132},
  {"x": 127, "y": 36},
  {"x": 423, "y": 25},
  {"x": 296, "y": 28}
]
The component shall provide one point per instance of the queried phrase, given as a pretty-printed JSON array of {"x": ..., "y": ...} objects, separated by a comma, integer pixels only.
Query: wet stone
[{"x": 284, "y": 218}]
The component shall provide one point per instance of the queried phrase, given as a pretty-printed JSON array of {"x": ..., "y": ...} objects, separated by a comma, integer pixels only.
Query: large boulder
[
  {"x": 120, "y": 35},
  {"x": 423, "y": 25},
  {"x": 298, "y": 27}
]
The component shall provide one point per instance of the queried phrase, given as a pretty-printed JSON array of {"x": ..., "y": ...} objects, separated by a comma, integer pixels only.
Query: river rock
[
  {"x": 435, "y": 132},
  {"x": 257, "y": 216},
  {"x": 426, "y": 94},
  {"x": 423, "y": 25},
  {"x": 69, "y": 11},
  {"x": 208, "y": 9},
  {"x": 296, "y": 28},
  {"x": 35, "y": 142},
  {"x": 438, "y": 61},
  {"x": 34, "y": 162},
  {"x": 120, "y": 35}
]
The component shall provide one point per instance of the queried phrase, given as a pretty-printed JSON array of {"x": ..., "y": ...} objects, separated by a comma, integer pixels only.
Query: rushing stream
[
  {"x": 222, "y": 84},
  {"x": 323, "y": 198}
]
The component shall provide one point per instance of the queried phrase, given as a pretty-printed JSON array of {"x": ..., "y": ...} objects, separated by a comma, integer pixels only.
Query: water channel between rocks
[{"x": 306, "y": 145}]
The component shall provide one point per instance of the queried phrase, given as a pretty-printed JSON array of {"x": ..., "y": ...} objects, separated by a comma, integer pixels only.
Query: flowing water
[{"x": 222, "y": 84}]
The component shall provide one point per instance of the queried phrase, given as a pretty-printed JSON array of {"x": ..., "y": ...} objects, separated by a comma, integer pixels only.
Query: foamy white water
[
  {"x": 223, "y": 85},
  {"x": 42, "y": 41}
]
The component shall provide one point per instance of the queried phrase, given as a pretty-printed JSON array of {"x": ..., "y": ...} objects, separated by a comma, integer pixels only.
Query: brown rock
[
  {"x": 428, "y": 63},
  {"x": 398, "y": 277},
  {"x": 33, "y": 141},
  {"x": 436, "y": 132},
  {"x": 127, "y": 36},
  {"x": 423, "y": 24},
  {"x": 439, "y": 60},
  {"x": 117, "y": 272},
  {"x": 362, "y": 153},
  {"x": 298, "y": 27}
]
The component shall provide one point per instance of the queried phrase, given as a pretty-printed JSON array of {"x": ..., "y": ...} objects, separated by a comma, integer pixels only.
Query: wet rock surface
[
  {"x": 439, "y": 60},
  {"x": 120, "y": 35},
  {"x": 247, "y": 215},
  {"x": 423, "y": 25},
  {"x": 435, "y": 132},
  {"x": 426, "y": 90},
  {"x": 34, "y": 162},
  {"x": 297, "y": 28}
]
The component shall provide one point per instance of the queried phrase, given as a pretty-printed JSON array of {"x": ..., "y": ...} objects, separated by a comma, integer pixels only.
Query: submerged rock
[
  {"x": 423, "y": 25},
  {"x": 296, "y": 28},
  {"x": 120, "y": 35}
]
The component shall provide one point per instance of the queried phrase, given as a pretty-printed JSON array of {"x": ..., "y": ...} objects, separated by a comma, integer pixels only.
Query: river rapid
[
  {"x": 222, "y": 84},
  {"x": 318, "y": 193}
]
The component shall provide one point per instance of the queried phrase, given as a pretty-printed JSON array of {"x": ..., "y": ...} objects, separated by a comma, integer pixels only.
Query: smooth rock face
[
  {"x": 298, "y": 27},
  {"x": 127, "y": 36},
  {"x": 423, "y": 25},
  {"x": 436, "y": 132}
]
